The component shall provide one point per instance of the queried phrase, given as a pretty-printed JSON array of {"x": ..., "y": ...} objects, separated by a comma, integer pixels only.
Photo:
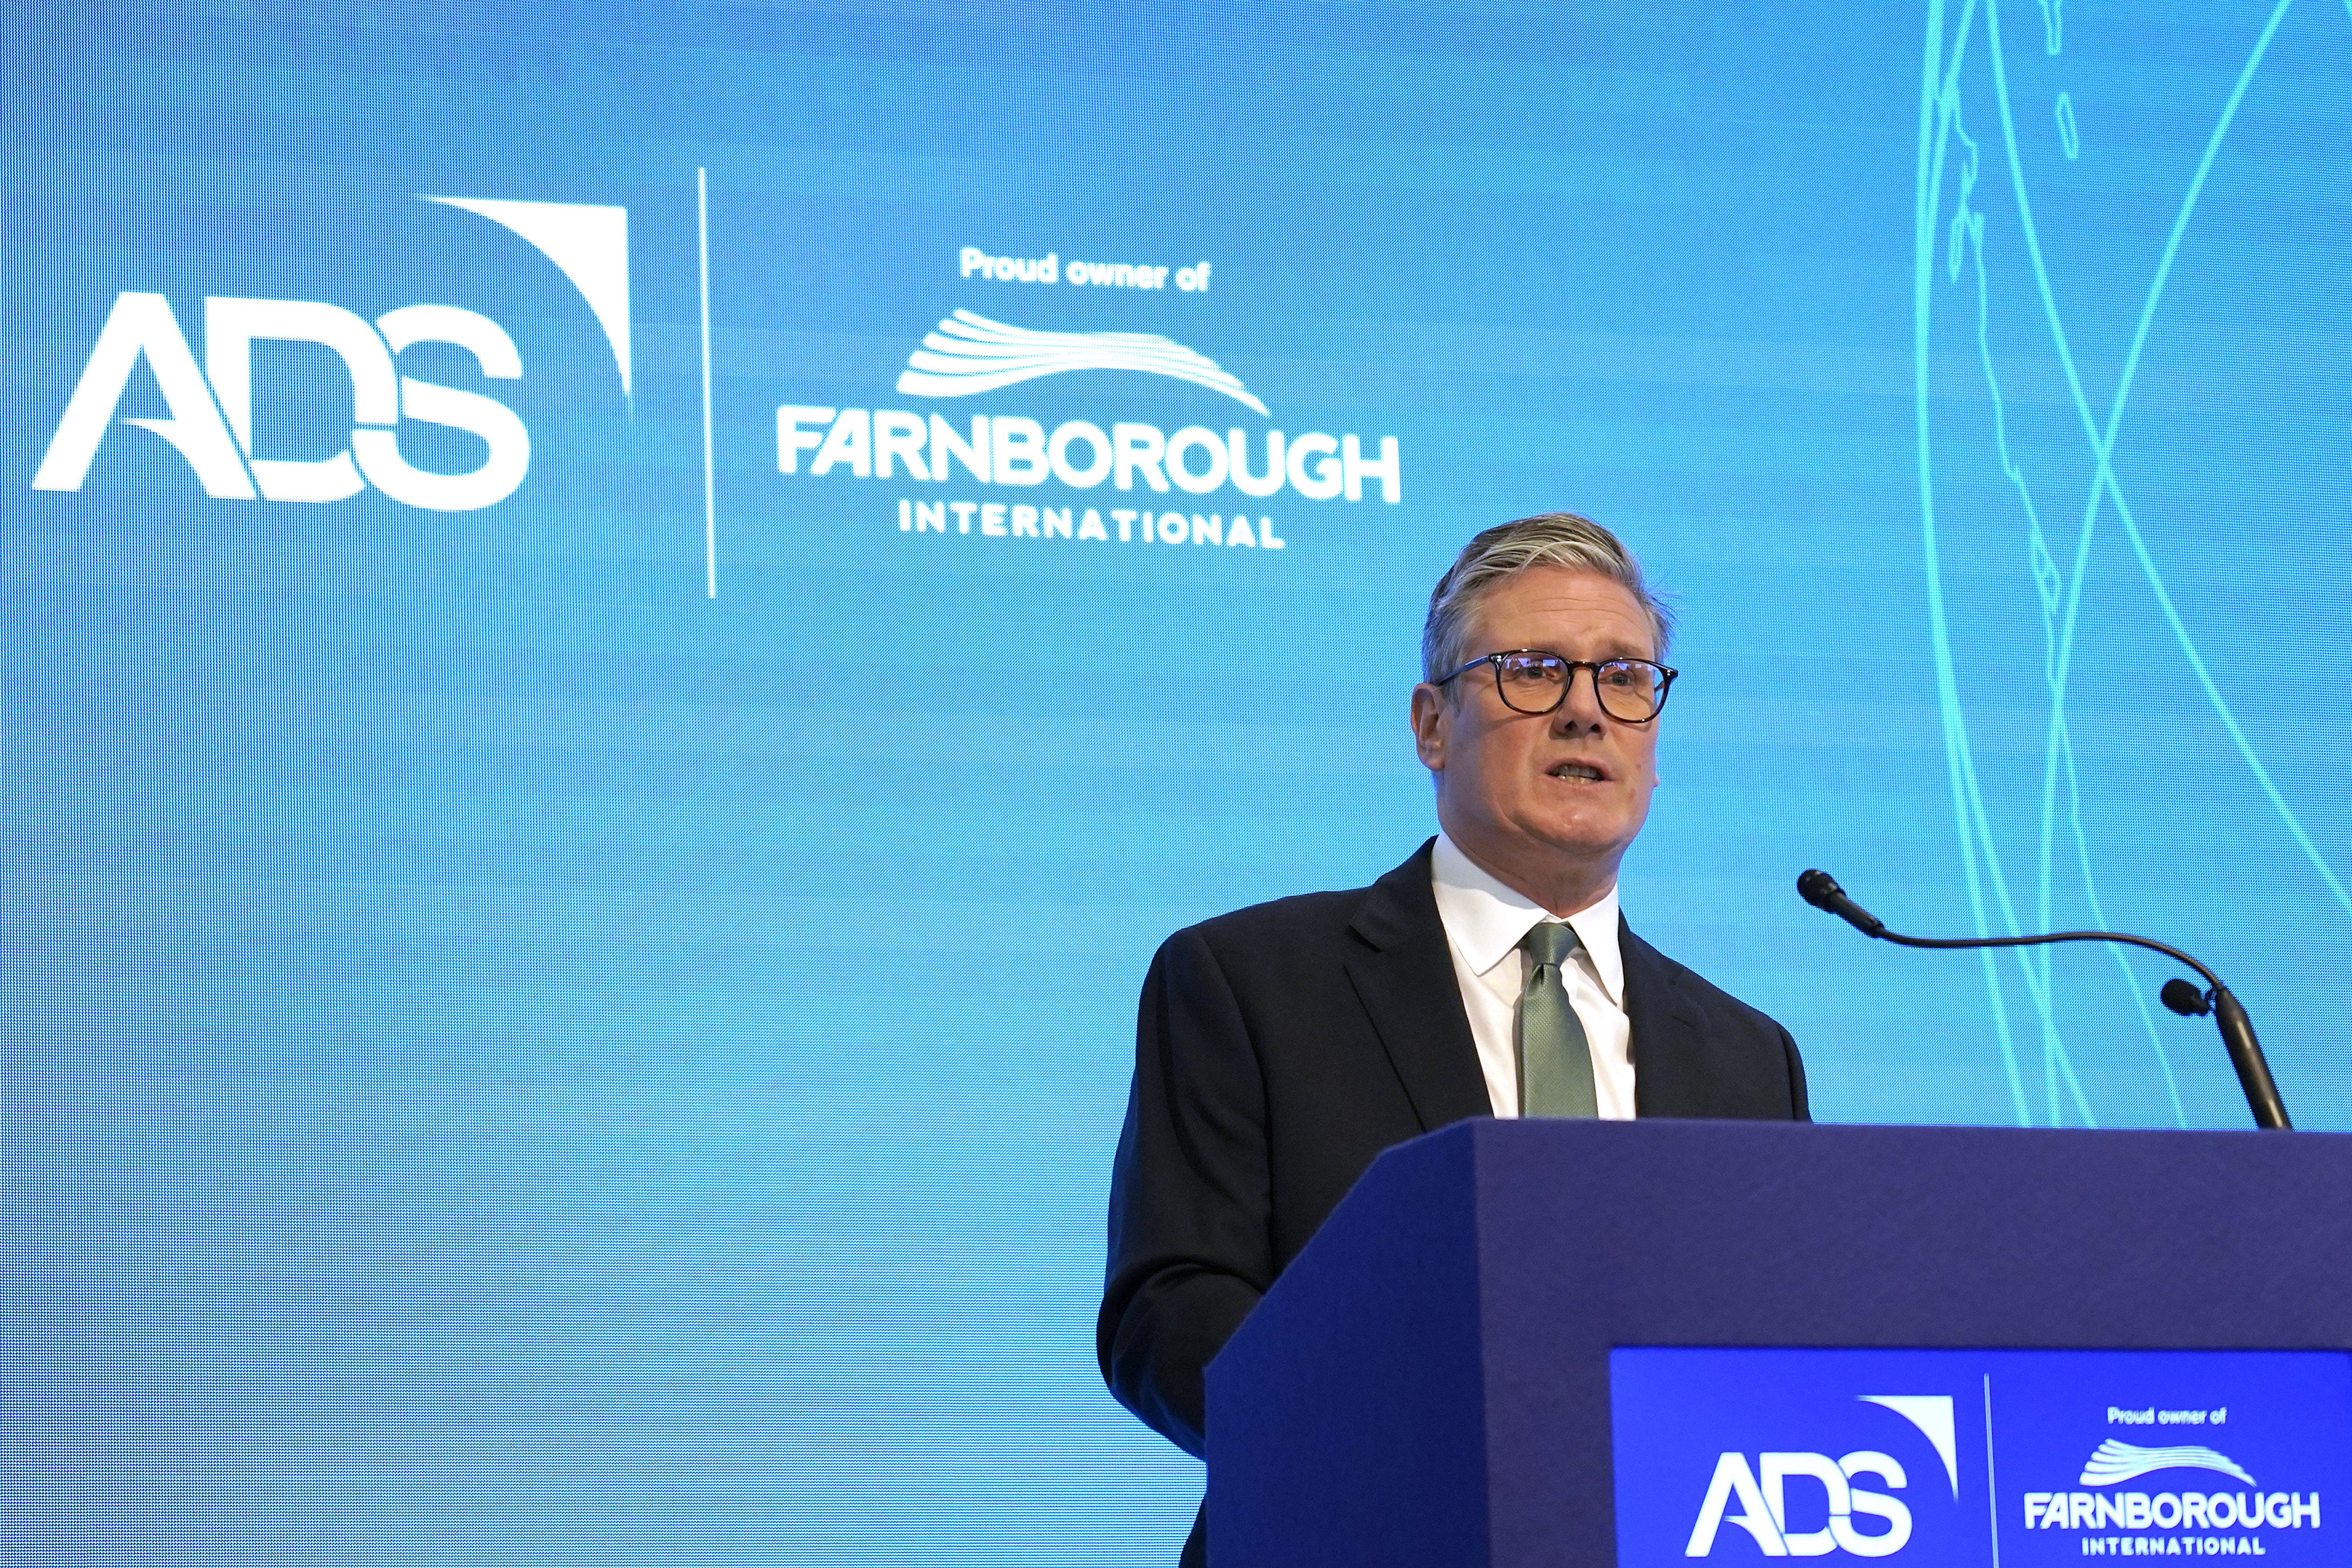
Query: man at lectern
[{"x": 1279, "y": 1049}]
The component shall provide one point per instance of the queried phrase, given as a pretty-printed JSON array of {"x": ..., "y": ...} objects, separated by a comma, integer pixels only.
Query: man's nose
[{"x": 1581, "y": 711}]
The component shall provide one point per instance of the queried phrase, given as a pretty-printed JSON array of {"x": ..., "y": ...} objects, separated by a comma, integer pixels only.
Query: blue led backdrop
[{"x": 626, "y": 625}]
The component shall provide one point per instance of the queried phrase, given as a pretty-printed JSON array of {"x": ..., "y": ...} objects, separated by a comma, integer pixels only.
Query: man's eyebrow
[{"x": 1609, "y": 651}]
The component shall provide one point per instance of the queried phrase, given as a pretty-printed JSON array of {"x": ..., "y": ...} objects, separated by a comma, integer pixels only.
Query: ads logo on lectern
[
  {"x": 209, "y": 410},
  {"x": 1833, "y": 1488}
]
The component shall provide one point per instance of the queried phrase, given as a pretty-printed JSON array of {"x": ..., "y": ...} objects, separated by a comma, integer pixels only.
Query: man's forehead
[{"x": 1558, "y": 602}]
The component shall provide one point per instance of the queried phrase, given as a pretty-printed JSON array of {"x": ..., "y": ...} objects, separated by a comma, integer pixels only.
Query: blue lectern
[{"x": 1431, "y": 1382}]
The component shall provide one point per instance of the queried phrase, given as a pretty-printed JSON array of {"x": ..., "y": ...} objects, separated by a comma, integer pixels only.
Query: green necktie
[{"x": 1554, "y": 1063}]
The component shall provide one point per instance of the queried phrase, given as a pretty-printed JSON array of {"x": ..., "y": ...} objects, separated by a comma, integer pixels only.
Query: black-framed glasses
[{"x": 1531, "y": 681}]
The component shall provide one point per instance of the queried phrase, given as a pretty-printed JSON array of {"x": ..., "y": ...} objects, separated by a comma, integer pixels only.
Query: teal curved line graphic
[
  {"x": 1941, "y": 124},
  {"x": 1937, "y": 107},
  {"x": 2054, "y": 25},
  {"x": 2103, "y": 480}
]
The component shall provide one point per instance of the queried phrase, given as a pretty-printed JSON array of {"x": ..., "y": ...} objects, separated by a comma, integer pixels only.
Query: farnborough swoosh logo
[
  {"x": 969, "y": 353},
  {"x": 2115, "y": 1461}
]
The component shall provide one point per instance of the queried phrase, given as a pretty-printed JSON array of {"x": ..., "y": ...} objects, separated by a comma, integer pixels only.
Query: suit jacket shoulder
[
  {"x": 1699, "y": 1050},
  {"x": 1354, "y": 988},
  {"x": 1304, "y": 924}
]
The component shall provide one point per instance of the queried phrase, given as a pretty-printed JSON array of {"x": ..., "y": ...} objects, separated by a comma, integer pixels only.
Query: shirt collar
[{"x": 1486, "y": 919}]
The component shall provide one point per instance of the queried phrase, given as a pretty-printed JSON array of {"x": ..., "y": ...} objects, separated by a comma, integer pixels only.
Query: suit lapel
[
  {"x": 1667, "y": 1032},
  {"x": 1403, "y": 974}
]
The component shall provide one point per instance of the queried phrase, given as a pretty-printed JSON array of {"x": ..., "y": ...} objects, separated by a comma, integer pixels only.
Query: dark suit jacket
[{"x": 1279, "y": 1049}]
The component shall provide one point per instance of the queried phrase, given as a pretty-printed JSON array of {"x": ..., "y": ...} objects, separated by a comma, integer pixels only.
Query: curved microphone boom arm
[{"x": 1821, "y": 890}]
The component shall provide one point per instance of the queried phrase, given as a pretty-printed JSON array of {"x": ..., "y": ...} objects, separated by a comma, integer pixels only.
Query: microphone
[
  {"x": 2185, "y": 999},
  {"x": 1821, "y": 890}
]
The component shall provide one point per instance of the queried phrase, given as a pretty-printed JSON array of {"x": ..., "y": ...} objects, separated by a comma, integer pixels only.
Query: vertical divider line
[
  {"x": 710, "y": 489},
  {"x": 1992, "y": 1490}
]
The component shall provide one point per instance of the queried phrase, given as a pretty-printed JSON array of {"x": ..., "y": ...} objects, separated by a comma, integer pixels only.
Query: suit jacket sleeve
[
  {"x": 1190, "y": 1249},
  {"x": 1801, "y": 1105}
]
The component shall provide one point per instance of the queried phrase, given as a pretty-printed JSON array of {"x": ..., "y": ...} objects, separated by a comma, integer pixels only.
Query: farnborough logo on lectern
[
  {"x": 209, "y": 411},
  {"x": 2217, "y": 1522}
]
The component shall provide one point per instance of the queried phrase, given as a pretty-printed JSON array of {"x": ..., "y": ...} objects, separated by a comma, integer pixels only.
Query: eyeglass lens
[{"x": 1538, "y": 683}]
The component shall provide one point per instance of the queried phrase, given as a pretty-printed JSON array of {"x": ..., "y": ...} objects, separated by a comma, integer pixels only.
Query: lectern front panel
[{"x": 1965, "y": 1458}]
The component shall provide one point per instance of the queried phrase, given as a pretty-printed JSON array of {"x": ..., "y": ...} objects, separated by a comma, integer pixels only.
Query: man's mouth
[{"x": 1585, "y": 771}]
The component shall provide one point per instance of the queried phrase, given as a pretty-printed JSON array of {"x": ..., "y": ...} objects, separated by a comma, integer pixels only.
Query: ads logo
[
  {"x": 1767, "y": 1510},
  {"x": 210, "y": 413}
]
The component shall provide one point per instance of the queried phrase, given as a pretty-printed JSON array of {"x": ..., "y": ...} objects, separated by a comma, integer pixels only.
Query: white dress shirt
[{"x": 1485, "y": 923}]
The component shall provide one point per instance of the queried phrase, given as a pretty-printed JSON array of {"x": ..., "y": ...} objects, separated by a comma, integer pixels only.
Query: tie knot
[{"x": 1550, "y": 942}]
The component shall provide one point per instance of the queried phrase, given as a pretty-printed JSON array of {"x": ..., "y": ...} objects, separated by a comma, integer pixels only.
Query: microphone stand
[{"x": 1821, "y": 890}]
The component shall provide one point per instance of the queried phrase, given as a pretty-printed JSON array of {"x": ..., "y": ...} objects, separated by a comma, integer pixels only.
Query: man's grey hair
[{"x": 1501, "y": 553}]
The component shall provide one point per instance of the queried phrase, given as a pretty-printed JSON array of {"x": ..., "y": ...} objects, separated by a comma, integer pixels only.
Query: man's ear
[{"x": 1430, "y": 714}]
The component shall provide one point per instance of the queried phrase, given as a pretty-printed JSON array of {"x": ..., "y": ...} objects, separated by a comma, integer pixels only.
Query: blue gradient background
[{"x": 512, "y": 1060}]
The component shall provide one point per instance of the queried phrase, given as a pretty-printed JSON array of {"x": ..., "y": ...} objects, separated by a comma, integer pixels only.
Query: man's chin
[
  {"x": 1582, "y": 840},
  {"x": 1603, "y": 825},
  {"x": 1570, "y": 833}
]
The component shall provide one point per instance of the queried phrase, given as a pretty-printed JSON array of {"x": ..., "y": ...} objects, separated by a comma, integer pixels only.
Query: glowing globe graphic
[{"x": 2135, "y": 427}]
